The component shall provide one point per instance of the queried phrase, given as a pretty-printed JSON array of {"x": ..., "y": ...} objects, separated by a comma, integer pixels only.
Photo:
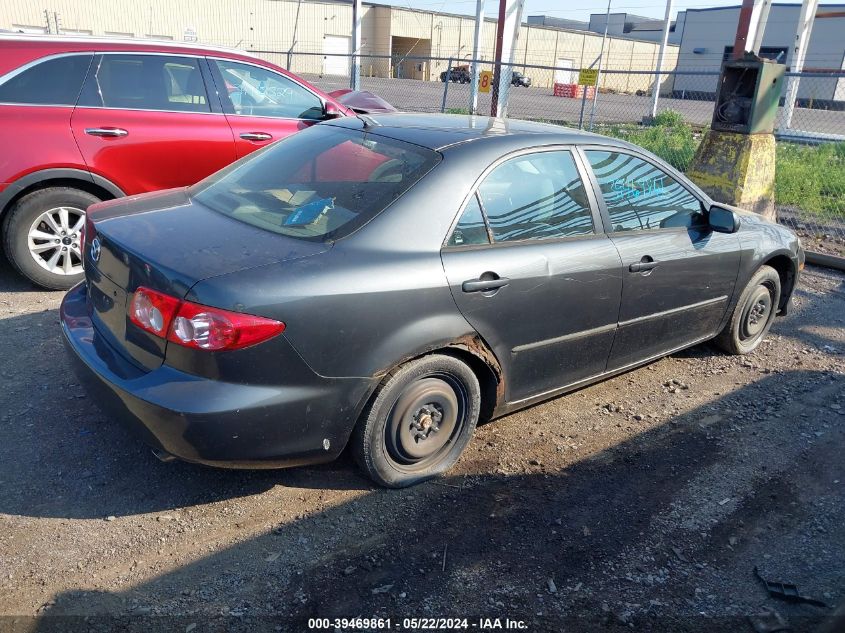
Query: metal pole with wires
[
  {"x": 476, "y": 65},
  {"x": 799, "y": 53},
  {"x": 601, "y": 63},
  {"x": 663, "y": 42},
  {"x": 355, "y": 71}
]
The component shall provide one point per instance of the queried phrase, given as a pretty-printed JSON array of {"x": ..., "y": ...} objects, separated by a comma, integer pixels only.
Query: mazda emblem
[{"x": 95, "y": 250}]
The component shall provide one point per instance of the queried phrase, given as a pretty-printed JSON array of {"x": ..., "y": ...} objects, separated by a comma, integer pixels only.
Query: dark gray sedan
[{"x": 388, "y": 283}]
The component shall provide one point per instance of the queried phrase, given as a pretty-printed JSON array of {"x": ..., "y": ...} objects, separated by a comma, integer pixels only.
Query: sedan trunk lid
[{"x": 167, "y": 241}]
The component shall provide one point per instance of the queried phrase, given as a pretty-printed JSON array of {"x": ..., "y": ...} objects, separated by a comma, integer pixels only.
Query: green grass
[
  {"x": 667, "y": 136},
  {"x": 811, "y": 178},
  {"x": 808, "y": 177}
]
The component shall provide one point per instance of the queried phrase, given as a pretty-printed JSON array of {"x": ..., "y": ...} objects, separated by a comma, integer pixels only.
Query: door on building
[
  {"x": 336, "y": 52},
  {"x": 563, "y": 71}
]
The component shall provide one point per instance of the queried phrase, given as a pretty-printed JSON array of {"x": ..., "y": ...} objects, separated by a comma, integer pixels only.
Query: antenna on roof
[{"x": 368, "y": 121}]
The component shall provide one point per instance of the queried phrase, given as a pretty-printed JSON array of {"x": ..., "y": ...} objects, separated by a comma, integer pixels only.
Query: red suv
[{"x": 84, "y": 120}]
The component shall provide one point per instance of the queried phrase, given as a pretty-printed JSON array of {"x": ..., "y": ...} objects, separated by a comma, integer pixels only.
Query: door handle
[
  {"x": 483, "y": 285},
  {"x": 256, "y": 136},
  {"x": 106, "y": 131},
  {"x": 644, "y": 265}
]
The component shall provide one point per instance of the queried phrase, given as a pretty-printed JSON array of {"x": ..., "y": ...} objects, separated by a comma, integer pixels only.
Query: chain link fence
[{"x": 810, "y": 168}]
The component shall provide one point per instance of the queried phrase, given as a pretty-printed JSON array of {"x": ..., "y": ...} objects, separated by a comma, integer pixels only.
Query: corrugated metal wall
[{"x": 268, "y": 25}]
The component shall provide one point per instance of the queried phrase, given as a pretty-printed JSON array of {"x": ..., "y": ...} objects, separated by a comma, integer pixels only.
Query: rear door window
[
  {"x": 146, "y": 82},
  {"x": 55, "y": 81},
  {"x": 471, "y": 228}
]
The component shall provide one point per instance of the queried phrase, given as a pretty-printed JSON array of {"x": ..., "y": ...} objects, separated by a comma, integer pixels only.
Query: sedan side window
[
  {"x": 471, "y": 228},
  {"x": 640, "y": 196},
  {"x": 255, "y": 91},
  {"x": 146, "y": 82},
  {"x": 536, "y": 196}
]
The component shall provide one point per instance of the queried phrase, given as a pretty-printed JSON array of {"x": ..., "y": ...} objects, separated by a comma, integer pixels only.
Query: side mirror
[
  {"x": 331, "y": 111},
  {"x": 723, "y": 220}
]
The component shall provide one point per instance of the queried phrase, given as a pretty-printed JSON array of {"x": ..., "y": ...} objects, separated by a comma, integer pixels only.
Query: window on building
[{"x": 775, "y": 53}]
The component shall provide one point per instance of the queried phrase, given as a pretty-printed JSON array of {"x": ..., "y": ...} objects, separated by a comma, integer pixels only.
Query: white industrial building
[
  {"x": 708, "y": 38},
  {"x": 317, "y": 34}
]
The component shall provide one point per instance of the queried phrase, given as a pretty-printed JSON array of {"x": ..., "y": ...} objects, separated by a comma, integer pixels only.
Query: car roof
[
  {"x": 440, "y": 131},
  {"x": 73, "y": 43}
]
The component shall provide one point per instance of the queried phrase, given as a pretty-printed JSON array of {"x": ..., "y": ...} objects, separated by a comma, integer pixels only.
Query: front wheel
[
  {"x": 42, "y": 235},
  {"x": 753, "y": 315},
  {"x": 419, "y": 423}
]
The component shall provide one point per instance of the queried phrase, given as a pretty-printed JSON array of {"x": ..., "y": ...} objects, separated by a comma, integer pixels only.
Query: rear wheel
[
  {"x": 419, "y": 422},
  {"x": 753, "y": 315},
  {"x": 42, "y": 235}
]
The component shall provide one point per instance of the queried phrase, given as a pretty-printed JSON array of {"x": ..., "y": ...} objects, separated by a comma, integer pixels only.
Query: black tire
[
  {"x": 389, "y": 442},
  {"x": 20, "y": 219},
  {"x": 753, "y": 315}
]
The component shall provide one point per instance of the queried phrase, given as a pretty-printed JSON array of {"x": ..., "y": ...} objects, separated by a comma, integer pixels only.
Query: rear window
[
  {"x": 319, "y": 184},
  {"x": 54, "y": 81}
]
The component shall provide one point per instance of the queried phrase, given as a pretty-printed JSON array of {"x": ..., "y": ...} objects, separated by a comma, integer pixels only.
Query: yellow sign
[
  {"x": 588, "y": 76},
  {"x": 485, "y": 81}
]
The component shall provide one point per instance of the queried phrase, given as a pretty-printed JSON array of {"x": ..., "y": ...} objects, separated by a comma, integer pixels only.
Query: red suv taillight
[{"x": 198, "y": 326}]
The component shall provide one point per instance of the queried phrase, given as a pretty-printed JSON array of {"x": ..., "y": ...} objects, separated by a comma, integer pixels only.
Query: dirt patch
[{"x": 642, "y": 502}]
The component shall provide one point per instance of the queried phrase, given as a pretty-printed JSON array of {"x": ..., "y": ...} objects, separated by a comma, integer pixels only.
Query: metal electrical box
[{"x": 748, "y": 96}]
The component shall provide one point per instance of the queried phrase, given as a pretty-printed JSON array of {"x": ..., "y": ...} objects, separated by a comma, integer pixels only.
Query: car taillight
[
  {"x": 198, "y": 326},
  {"x": 153, "y": 311}
]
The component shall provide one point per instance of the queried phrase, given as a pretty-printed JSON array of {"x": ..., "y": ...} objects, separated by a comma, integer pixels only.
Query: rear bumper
[{"x": 214, "y": 422}]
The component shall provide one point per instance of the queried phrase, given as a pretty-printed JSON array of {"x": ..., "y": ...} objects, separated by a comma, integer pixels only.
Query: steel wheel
[
  {"x": 426, "y": 418},
  {"x": 55, "y": 240},
  {"x": 419, "y": 421},
  {"x": 755, "y": 315}
]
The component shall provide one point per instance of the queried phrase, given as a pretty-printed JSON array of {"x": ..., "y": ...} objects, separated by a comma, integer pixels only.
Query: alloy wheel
[{"x": 55, "y": 240}]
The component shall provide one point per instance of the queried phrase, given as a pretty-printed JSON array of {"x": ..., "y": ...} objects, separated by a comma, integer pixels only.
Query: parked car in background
[
  {"x": 518, "y": 79},
  {"x": 458, "y": 74},
  {"x": 389, "y": 282},
  {"x": 85, "y": 120}
]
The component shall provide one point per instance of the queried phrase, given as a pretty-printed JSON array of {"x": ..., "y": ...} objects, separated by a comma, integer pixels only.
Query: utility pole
[
  {"x": 355, "y": 80},
  {"x": 799, "y": 54},
  {"x": 658, "y": 79},
  {"x": 742, "y": 27},
  {"x": 601, "y": 63},
  {"x": 497, "y": 66},
  {"x": 762, "y": 21},
  {"x": 476, "y": 66},
  {"x": 510, "y": 18},
  {"x": 293, "y": 38}
]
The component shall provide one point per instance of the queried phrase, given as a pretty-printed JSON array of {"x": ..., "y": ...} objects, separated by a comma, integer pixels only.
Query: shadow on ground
[{"x": 487, "y": 545}]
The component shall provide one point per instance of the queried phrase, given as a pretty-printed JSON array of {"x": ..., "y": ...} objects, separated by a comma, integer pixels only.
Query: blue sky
[{"x": 574, "y": 10}]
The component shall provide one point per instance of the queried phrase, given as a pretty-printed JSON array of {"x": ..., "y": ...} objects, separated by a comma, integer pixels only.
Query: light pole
[{"x": 601, "y": 62}]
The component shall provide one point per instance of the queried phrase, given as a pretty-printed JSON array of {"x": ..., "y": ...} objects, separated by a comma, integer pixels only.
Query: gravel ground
[{"x": 644, "y": 502}]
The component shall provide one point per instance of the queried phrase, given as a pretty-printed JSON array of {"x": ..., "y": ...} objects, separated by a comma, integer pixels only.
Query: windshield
[{"x": 319, "y": 184}]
